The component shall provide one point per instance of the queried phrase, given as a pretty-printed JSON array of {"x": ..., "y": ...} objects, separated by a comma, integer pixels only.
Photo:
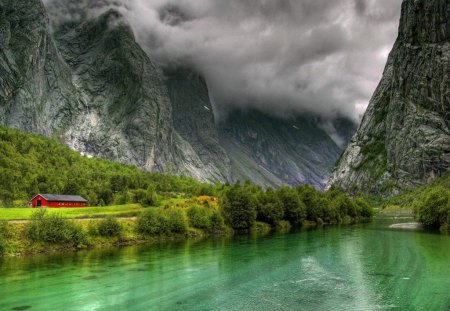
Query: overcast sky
[{"x": 281, "y": 56}]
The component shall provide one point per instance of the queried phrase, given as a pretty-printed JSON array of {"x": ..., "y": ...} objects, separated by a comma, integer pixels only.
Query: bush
[
  {"x": 271, "y": 209},
  {"x": 109, "y": 227},
  {"x": 239, "y": 208},
  {"x": 199, "y": 217},
  {"x": 4, "y": 234},
  {"x": 364, "y": 208},
  {"x": 160, "y": 221},
  {"x": 177, "y": 221},
  {"x": 217, "y": 222},
  {"x": 294, "y": 209},
  {"x": 2, "y": 245},
  {"x": 151, "y": 222},
  {"x": 53, "y": 229},
  {"x": 433, "y": 207}
]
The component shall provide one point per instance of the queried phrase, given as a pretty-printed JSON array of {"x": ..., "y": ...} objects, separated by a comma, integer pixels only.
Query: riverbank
[
  {"x": 368, "y": 266},
  {"x": 17, "y": 242}
]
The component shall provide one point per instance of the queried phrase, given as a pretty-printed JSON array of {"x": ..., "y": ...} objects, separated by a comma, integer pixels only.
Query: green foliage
[
  {"x": 364, "y": 208},
  {"x": 294, "y": 205},
  {"x": 375, "y": 157},
  {"x": 408, "y": 198},
  {"x": 432, "y": 207},
  {"x": 53, "y": 229},
  {"x": 156, "y": 221},
  {"x": 32, "y": 164},
  {"x": 294, "y": 209},
  {"x": 177, "y": 221},
  {"x": 199, "y": 217},
  {"x": 151, "y": 222},
  {"x": 239, "y": 207},
  {"x": 4, "y": 235},
  {"x": 217, "y": 222},
  {"x": 270, "y": 208},
  {"x": 316, "y": 204},
  {"x": 109, "y": 227}
]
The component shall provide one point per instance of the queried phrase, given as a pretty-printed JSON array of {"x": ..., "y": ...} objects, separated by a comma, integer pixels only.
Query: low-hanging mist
[{"x": 315, "y": 56}]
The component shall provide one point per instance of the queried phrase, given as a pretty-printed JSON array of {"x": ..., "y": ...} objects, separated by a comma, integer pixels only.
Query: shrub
[
  {"x": 199, "y": 217},
  {"x": 364, "y": 208},
  {"x": 433, "y": 207},
  {"x": 4, "y": 234},
  {"x": 271, "y": 209},
  {"x": 151, "y": 222},
  {"x": 217, "y": 222},
  {"x": 109, "y": 227},
  {"x": 53, "y": 229},
  {"x": 294, "y": 209},
  {"x": 160, "y": 221},
  {"x": 239, "y": 208},
  {"x": 177, "y": 221}
]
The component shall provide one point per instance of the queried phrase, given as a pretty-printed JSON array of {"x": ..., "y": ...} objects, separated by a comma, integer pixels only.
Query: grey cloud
[
  {"x": 285, "y": 56},
  {"x": 360, "y": 6}
]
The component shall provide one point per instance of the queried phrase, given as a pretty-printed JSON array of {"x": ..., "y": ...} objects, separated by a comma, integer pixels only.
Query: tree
[
  {"x": 433, "y": 207},
  {"x": 294, "y": 209},
  {"x": 239, "y": 208},
  {"x": 271, "y": 209}
]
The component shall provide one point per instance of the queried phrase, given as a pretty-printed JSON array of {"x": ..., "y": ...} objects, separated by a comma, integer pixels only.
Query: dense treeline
[
  {"x": 32, "y": 164},
  {"x": 243, "y": 205}
]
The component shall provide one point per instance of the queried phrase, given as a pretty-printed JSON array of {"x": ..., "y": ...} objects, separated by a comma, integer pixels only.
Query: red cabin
[{"x": 58, "y": 201}]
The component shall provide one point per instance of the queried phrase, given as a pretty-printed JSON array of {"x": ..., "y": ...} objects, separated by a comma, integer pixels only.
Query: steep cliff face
[
  {"x": 404, "y": 138},
  {"x": 273, "y": 152},
  {"x": 193, "y": 119},
  {"x": 127, "y": 111},
  {"x": 36, "y": 92},
  {"x": 92, "y": 85},
  {"x": 89, "y": 83}
]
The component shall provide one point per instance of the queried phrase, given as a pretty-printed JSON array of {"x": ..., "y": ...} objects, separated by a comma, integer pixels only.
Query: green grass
[{"x": 127, "y": 210}]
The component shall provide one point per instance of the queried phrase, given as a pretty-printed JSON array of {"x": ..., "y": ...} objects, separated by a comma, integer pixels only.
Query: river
[{"x": 360, "y": 267}]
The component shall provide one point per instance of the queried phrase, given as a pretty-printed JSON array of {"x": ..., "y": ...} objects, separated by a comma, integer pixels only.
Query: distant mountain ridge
[
  {"x": 91, "y": 84},
  {"x": 404, "y": 138}
]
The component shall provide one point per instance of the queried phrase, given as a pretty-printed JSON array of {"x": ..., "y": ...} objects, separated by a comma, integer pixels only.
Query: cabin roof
[{"x": 63, "y": 198}]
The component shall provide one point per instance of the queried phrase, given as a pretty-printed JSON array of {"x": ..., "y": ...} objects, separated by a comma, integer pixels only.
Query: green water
[{"x": 364, "y": 267}]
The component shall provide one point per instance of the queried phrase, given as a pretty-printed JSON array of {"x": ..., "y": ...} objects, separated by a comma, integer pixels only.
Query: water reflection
[{"x": 363, "y": 267}]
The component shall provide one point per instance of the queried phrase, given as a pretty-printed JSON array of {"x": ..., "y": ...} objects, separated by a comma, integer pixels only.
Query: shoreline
[{"x": 18, "y": 245}]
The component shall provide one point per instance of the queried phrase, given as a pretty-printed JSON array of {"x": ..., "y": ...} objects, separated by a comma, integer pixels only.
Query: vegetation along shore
[{"x": 146, "y": 206}]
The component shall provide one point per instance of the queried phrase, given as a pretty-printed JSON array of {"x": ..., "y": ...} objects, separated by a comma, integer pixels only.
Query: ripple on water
[
  {"x": 21, "y": 308},
  {"x": 408, "y": 226}
]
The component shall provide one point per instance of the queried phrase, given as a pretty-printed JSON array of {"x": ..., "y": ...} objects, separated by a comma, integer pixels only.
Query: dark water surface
[{"x": 362, "y": 267}]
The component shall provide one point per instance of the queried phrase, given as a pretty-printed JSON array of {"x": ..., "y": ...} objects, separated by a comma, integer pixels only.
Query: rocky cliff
[
  {"x": 92, "y": 85},
  {"x": 89, "y": 83},
  {"x": 404, "y": 138},
  {"x": 273, "y": 151}
]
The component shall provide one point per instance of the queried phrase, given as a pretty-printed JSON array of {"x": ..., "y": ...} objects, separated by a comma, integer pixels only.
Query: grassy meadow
[{"x": 127, "y": 210}]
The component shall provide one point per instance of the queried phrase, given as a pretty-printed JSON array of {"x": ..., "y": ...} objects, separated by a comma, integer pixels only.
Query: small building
[{"x": 58, "y": 201}]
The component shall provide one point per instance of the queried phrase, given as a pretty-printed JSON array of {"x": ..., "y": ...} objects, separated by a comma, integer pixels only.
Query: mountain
[
  {"x": 89, "y": 83},
  {"x": 273, "y": 151},
  {"x": 93, "y": 86},
  {"x": 404, "y": 138}
]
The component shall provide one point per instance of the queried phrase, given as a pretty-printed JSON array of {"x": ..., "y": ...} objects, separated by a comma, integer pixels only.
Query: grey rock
[
  {"x": 193, "y": 118},
  {"x": 273, "y": 152},
  {"x": 89, "y": 83},
  {"x": 404, "y": 138}
]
